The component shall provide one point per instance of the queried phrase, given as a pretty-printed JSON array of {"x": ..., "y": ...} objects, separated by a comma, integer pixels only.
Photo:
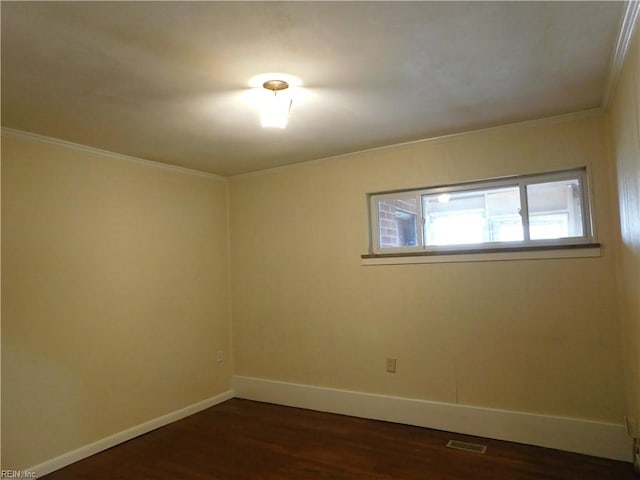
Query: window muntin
[{"x": 546, "y": 209}]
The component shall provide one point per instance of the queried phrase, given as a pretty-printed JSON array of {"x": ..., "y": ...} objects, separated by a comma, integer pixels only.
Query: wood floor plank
[{"x": 244, "y": 440}]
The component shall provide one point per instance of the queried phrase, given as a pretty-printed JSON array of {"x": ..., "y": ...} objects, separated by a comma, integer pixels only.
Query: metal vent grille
[{"x": 467, "y": 447}]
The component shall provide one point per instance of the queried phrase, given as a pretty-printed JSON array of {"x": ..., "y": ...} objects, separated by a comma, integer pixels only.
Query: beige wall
[
  {"x": 115, "y": 296},
  {"x": 537, "y": 336},
  {"x": 624, "y": 130}
]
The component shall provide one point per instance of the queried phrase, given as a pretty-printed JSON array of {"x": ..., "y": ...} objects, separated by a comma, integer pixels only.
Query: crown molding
[
  {"x": 627, "y": 28},
  {"x": 11, "y": 132},
  {"x": 536, "y": 122}
]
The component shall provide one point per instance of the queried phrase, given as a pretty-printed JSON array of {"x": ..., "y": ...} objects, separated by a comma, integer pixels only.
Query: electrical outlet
[
  {"x": 630, "y": 423},
  {"x": 391, "y": 365},
  {"x": 219, "y": 356}
]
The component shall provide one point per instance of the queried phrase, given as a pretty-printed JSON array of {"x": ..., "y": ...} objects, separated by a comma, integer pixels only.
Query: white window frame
[{"x": 520, "y": 181}]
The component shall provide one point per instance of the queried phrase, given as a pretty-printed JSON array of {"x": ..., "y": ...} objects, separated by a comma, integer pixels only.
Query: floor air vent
[{"x": 467, "y": 447}]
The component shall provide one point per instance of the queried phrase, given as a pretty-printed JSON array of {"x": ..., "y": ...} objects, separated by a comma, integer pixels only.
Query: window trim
[
  {"x": 527, "y": 253},
  {"x": 520, "y": 181}
]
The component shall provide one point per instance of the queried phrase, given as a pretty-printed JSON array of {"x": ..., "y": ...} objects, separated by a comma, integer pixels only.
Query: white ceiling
[{"x": 169, "y": 81}]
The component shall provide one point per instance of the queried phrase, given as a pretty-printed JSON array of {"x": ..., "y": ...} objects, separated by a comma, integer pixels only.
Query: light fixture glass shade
[{"x": 275, "y": 110}]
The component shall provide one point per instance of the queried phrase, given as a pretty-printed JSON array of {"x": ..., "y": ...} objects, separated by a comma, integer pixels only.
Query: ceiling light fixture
[{"x": 275, "y": 110}]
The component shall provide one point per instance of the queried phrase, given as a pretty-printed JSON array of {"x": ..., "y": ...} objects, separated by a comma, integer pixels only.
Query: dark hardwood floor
[{"x": 243, "y": 440}]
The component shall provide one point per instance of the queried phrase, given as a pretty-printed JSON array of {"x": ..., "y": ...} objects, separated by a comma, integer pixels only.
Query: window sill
[{"x": 485, "y": 255}]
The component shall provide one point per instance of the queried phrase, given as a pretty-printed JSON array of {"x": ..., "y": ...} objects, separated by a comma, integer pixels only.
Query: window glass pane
[
  {"x": 397, "y": 222},
  {"x": 477, "y": 216},
  {"x": 555, "y": 209}
]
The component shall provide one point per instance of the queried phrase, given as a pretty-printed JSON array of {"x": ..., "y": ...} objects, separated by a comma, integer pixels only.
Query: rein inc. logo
[{"x": 17, "y": 474}]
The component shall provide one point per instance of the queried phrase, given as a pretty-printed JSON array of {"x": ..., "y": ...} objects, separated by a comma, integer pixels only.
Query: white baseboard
[
  {"x": 574, "y": 435},
  {"x": 120, "y": 437},
  {"x": 599, "y": 439}
]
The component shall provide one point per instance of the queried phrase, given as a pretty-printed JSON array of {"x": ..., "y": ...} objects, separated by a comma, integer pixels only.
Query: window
[{"x": 549, "y": 209}]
